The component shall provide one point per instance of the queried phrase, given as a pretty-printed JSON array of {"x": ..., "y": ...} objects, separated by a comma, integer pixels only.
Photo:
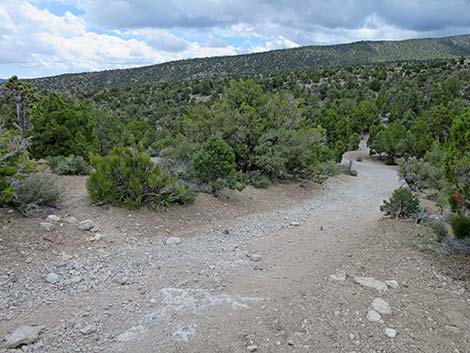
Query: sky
[{"x": 49, "y": 37}]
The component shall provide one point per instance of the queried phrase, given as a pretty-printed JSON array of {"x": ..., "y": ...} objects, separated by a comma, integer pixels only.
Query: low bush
[
  {"x": 35, "y": 192},
  {"x": 402, "y": 204},
  {"x": 129, "y": 178},
  {"x": 214, "y": 165},
  {"x": 71, "y": 165},
  {"x": 258, "y": 180},
  {"x": 461, "y": 227},
  {"x": 440, "y": 230},
  {"x": 329, "y": 168}
]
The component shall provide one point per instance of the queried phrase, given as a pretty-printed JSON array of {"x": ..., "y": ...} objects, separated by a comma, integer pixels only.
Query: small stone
[
  {"x": 371, "y": 283},
  {"x": 390, "y": 332},
  {"x": 392, "y": 284},
  {"x": 71, "y": 220},
  {"x": 294, "y": 224},
  {"x": 23, "y": 335},
  {"x": 48, "y": 227},
  {"x": 52, "y": 278},
  {"x": 256, "y": 257},
  {"x": 121, "y": 279},
  {"x": 373, "y": 316},
  {"x": 89, "y": 329},
  {"x": 339, "y": 276},
  {"x": 28, "y": 260},
  {"x": 53, "y": 218},
  {"x": 252, "y": 348},
  {"x": 453, "y": 329},
  {"x": 381, "y": 306},
  {"x": 86, "y": 225},
  {"x": 173, "y": 241}
]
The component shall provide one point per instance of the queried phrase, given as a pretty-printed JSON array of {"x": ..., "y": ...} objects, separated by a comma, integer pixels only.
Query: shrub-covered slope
[{"x": 261, "y": 63}]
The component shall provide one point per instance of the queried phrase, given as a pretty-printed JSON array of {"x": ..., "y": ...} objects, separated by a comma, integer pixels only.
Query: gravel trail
[{"x": 252, "y": 282}]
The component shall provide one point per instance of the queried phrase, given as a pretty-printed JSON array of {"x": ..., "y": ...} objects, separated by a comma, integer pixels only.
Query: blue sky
[{"x": 48, "y": 37}]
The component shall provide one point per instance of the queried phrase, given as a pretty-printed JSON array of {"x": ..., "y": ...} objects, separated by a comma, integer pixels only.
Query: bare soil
[{"x": 252, "y": 273}]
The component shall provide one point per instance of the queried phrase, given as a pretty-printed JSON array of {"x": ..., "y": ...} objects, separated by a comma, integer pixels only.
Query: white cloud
[{"x": 123, "y": 33}]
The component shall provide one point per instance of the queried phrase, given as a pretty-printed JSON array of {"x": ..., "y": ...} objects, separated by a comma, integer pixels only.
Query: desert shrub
[
  {"x": 214, "y": 165},
  {"x": 283, "y": 153},
  {"x": 129, "y": 178},
  {"x": 14, "y": 163},
  {"x": 62, "y": 129},
  {"x": 460, "y": 227},
  {"x": 440, "y": 230},
  {"x": 35, "y": 192},
  {"x": 258, "y": 180},
  {"x": 329, "y": 168},
  {"x": 402, "y": 204},
  {"x": 71, "y": 165}
]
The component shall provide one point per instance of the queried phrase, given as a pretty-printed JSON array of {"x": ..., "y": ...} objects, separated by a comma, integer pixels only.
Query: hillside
[{"x": 364, "y": 52}]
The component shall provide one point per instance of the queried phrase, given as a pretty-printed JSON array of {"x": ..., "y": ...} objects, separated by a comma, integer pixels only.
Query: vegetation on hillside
[
  {"x": 353, "y": 54},
  {"x": 213, "y": 133}
]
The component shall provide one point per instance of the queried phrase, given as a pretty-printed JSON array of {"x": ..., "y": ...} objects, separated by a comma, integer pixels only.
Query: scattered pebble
[
  {"x": 53, "y": 218},
  {"x": 371, "y": 283},
  {"x": 339, "y": 276},
  {"x": 373, "y": 316},
  {"x": 173, "y": 241},
  {"x": 381, "y": 306},
  {"x": 48, "y": 227},
  {"x": 390, "y": 332},
  {"x": 88, "y": 330},
  {"x": 392, "y": 284},
  {"x": 23, "y": 335},
  {"x": 252, "y": 348},
  {"x": 52, "y": 278},
  {"x": 86, "y": 225}
]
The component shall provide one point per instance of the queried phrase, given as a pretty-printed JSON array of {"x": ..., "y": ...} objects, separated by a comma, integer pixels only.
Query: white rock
[
  {"x": 294, "y": 224},
  {"x": 48, "y": 227},
  {"x": 87, "y": 330},
  {"x": 392, "y": 284},
  {"x": 373, "y": 316},
  {"x": 23, "y": 335},
  {"x": 71, "y": 220},
  {"x": 173, "y": 241},
  {"x": 252, "y": 348},
  {"x": 390, "y": 332},
  {"x": 339, "y": 276},
  {"x": 53, "y": 218},
  {"x": 256, "y": 257},
  {"x": 86, "y": 225},
  {"x": 371, "y": 283},
  {"x": 381, "y": 306},
  {"x": 52, "y": 278}
]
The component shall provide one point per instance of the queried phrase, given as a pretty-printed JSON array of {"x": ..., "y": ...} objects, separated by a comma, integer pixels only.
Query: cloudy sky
[{"x": 48, "y": 37}]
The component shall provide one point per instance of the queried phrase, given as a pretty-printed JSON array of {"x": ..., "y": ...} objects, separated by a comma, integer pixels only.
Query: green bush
[
  {"x": 35, "y": 192},
  {"x": 214, "y": 165},
  {"x": 62, "y": 129},
  {"x": 461, "y": 227},
  {"x": 71, "y": 165},
  {"x": 14, "y": 163},
  {"x": 330, "y": 168},
  {"x": 129, "y": 178},
  {"x": 440, "y": 230},
  {"x": 258, "y": 180},
  {"x": 402, "y": 204},
  {"x": 283, "y": 154}
]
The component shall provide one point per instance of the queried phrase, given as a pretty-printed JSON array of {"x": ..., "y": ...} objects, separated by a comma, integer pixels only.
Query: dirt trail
[{"x": 250, "y": 282}]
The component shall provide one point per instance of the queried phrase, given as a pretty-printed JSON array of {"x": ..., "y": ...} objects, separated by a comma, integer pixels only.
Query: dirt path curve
[{"x": 257, "y": 282}]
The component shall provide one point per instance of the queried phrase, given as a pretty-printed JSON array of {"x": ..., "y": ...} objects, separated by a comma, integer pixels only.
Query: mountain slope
[{"x": 287, "y": 59}]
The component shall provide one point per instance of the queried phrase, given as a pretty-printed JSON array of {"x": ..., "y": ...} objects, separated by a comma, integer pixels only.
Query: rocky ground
[{"x": 293, "y": 268}]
